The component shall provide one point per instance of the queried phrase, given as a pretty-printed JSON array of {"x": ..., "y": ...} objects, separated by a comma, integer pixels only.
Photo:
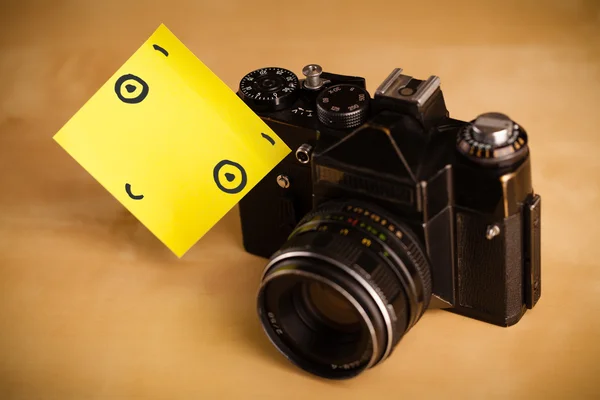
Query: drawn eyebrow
[
  {"x": 162, "y": 50},
  {"x": 269, "y": 138}
]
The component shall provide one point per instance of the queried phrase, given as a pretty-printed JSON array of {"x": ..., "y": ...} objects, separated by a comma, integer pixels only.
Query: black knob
[
  {"x": 343, "y": 106},
  {"x": 493, "y": 139},
  {"x": 269, "y": 89}
]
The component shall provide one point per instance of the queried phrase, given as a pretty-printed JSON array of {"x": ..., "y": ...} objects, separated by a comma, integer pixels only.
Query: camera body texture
[{"x": 456, "y": 197}]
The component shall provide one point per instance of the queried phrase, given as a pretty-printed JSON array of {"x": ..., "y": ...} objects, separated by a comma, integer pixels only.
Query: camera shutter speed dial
[
  {"x": 493, "y": 139},
  {"x": 269, "y": 89},
  {"x": 343, "y": 106}
]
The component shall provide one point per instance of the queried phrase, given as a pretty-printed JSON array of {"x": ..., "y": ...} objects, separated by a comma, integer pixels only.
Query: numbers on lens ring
[
  {"x": 274, "y": 323},
  {"x": 348, "y": 366}
]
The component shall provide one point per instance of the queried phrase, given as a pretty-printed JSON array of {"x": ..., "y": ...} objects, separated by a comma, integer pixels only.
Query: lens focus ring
[
  {"x": 396, "y": 233},
  {"x": 378, "y": 254},
  {"x": 345, "y": 250}
]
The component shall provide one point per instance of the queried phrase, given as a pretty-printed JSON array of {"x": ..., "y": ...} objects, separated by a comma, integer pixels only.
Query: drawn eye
[
  {"x": 230, "y": 176},
  {"x": 131, "y": 89}
]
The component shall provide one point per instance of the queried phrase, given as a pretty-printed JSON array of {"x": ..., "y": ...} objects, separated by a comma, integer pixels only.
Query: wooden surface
[{"x": 92, "y": 306}]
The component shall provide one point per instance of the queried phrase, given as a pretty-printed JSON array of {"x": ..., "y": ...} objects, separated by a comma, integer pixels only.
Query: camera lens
[
  {"x": 307, "y": 328},
  {"x": 331, "y": 306},
  {"x": 342, "y": 291}
]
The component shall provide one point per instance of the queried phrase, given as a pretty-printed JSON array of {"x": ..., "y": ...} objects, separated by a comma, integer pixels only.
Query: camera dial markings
[
  {"x": 269, "y": 89},
  {"x": 302, "y": 112},
  {"x": 492, "y": 139},
  {"x": 343, "y": 106}
]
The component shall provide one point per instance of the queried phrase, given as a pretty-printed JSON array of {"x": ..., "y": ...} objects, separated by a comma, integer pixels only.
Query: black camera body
[{"x": 462, "y": 191}]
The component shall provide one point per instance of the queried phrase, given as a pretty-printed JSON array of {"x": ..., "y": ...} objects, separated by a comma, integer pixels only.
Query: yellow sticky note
[{"x": 171, "y": 141}]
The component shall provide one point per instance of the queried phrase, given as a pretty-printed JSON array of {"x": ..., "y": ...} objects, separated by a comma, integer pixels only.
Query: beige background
[{"x": 92, "y": 306}]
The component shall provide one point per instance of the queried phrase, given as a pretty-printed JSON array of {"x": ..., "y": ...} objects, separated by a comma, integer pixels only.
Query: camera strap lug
[{"x": 533, "y": 284}]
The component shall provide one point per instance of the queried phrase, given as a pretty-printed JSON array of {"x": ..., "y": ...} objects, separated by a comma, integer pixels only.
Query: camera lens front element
[
  {"x": 305, "y": 334},
  {"x": 343, "y": 290},
  {"x": 333, "y": 308},
  {"x": 269, "y": 89}
]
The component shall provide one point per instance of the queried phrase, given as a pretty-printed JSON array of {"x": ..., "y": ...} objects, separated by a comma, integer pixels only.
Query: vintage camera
[{"x": 384, "y": 204}]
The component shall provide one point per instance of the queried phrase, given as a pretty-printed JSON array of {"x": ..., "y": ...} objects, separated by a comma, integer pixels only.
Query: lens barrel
[{"x": 342, "y": 291}]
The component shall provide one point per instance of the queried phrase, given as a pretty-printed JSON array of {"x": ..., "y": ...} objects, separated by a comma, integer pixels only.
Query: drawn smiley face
[{"x": 171, "y": 142}]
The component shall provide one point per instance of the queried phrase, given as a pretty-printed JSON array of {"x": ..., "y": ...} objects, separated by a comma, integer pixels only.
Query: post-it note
[{"x": 171, "y": 141}]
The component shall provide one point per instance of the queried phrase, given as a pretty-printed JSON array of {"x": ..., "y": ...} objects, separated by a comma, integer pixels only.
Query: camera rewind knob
[
  {"x": 493, "y": 139},
  {"x": 269, "y": 89},
  {"x": 343, "y": 106}
]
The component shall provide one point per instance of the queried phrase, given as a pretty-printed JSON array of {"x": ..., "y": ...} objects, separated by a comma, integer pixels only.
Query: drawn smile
[{"x": 133, "y": 196}]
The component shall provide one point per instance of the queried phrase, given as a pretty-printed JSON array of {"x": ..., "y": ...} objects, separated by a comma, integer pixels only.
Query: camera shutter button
[{"x": 492, "y": 128}]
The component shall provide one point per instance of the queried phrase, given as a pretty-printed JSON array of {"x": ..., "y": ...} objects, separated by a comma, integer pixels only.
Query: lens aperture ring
[{"x": 386, "y": 228}]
